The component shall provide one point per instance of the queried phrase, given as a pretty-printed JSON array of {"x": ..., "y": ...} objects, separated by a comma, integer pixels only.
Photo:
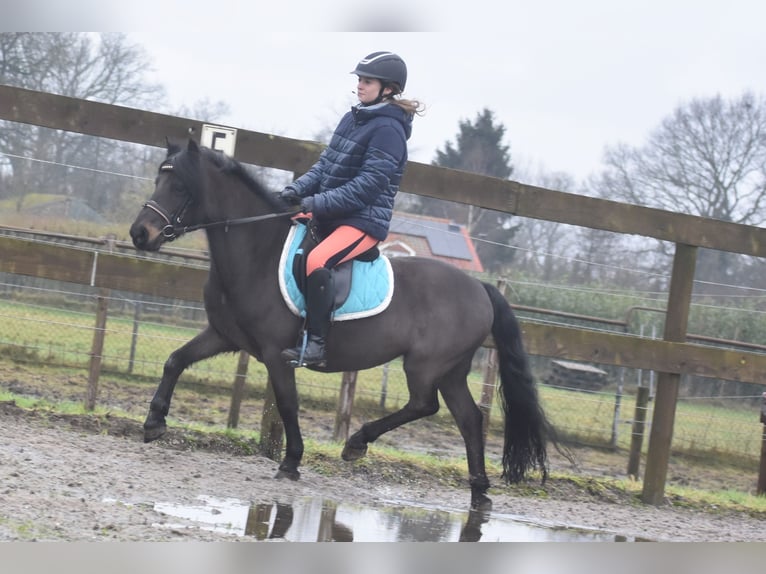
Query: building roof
[{"x": 432, "y": 237}]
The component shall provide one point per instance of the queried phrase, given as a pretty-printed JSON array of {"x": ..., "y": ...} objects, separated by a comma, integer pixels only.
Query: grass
[{"x": 727, "y": 430}]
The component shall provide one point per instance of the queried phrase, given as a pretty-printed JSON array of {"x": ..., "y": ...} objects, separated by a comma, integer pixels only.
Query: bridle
[{"x": 173, "y": 228}]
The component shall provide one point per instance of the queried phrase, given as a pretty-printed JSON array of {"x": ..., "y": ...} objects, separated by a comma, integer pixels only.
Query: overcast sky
[{"x": 565, "y": 78}]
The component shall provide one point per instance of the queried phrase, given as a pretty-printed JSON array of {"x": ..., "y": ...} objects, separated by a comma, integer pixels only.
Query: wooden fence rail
[
  {"x": 106, "y": 270},
  {"x": 671, "y": 357}
]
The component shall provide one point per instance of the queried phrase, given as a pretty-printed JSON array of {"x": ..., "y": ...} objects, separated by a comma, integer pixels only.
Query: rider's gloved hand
[
  {"x": 290, "y": 196},
  {"x": 307, "y": 204}
]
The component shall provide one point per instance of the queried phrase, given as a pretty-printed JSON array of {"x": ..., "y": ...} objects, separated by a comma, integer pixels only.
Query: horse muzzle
[{"x": 146, "y": 238}]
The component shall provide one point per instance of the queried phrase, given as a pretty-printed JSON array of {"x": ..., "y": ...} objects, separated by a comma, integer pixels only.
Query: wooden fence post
[
  {"x": 489, "y": 380},
  {"x": 384, "y": 387},
  {"x": 488, "y": 390},
  {"x": 239, "y": 390},
  {"x": 762, "y": 472},
  {"x": 676, "y": 320},
  {"x": 134, "y": 335},
  {"x": 617, "y": 406},
  {"x": 257, "y": 522},
  {"x": 637, "y": 431},
  {"x": 345, "y": 404},
  {"x": 272, "y": 429},
  {"x": 97, "y": 349}
]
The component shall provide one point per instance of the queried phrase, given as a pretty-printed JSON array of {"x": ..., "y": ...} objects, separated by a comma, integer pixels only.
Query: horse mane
[
  {"x": 237, "y": 169},
  {"x": 189, "y": 172}
]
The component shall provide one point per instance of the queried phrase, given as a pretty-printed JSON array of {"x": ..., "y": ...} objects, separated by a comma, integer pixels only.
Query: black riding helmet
[{"x": 385, "y": 66}]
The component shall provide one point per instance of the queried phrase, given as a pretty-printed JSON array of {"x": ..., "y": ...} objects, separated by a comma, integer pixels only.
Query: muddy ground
[{"x": 88, "y": 477}]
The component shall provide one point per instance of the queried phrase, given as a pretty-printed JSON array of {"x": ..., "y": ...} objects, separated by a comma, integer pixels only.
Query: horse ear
[
  {"x": 173, "y": 147},
  {"x": 192, "y": 146}
]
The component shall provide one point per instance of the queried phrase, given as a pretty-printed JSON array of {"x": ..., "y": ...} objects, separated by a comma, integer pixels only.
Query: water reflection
[
  {"x": 323, "y": 520},
  {"x": 261, "y": 525},
  {"x": 471, "y": 531}
]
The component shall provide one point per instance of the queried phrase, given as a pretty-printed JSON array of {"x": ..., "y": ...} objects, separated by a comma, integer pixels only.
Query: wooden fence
[{"x": 671, "y": 357}]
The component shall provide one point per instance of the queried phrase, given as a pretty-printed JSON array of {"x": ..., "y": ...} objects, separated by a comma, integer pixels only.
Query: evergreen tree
[{"x": 478, "y": 148}]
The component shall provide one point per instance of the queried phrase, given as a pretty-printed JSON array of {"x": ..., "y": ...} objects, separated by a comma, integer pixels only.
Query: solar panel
[{"x": 444, "y": 239}]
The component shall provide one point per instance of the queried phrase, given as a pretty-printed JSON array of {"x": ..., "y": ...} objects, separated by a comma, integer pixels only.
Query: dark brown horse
[{"x": 437, "y": 318}]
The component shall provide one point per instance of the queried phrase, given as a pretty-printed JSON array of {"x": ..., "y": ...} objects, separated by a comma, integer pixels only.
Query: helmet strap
[{"x": 381, "y": 95}]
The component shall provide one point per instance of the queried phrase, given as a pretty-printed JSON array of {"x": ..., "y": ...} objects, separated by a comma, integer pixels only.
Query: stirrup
[
  {"x": 299, "y": 361},
  {"x": 288, "y": 354}
]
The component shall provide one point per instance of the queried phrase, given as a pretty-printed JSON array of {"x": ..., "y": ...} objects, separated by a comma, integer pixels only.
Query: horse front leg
[
  {"x": 206, "y": 344},
  {"x": 286, "y": 397}
]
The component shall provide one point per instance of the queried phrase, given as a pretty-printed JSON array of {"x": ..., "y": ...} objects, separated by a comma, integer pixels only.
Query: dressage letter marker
[{"x": 219, "y": 138}]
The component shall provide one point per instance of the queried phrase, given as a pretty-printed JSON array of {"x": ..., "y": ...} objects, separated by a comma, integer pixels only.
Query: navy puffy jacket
[{"x": 357, "y": 175}]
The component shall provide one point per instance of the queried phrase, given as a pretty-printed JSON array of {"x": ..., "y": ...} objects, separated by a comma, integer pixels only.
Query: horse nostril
[{"x": 139, "y": 235}]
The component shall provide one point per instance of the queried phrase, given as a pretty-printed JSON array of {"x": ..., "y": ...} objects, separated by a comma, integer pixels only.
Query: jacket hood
[{"x": 386, "y": 109}]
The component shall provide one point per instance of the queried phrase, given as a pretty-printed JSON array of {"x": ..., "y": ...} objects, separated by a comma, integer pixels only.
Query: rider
[{"x": 350, "y": 190}]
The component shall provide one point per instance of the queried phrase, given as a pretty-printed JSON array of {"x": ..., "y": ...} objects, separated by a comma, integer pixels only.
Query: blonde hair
[{"x": 412, "y": 107}]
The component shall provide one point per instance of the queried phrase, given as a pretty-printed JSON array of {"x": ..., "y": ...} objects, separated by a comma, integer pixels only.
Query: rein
[
  {"x": 228, "y": 222},
  {"x": 171, "y": 232}
]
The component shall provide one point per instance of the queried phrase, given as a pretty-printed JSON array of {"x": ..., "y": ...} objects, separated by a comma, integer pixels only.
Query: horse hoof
[
  {"x": 289, "y": 474},
  {"x": 153, "y": 433},
  {"x": 353, "y": 453},
  {"x": 481, "y": 502}
]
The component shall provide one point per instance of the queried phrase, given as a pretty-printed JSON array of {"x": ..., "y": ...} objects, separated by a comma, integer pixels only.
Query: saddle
[{"x": 363, "y": 286}]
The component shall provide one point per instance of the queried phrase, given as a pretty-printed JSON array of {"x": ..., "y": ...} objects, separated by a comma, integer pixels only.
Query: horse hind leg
[
  {"x": 460, "y": 402},
  {"x": 207, "y": 343},
  {"x": 423, "y": 402}
]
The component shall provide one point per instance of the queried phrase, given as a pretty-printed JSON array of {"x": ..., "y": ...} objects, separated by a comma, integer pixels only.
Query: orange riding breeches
[{"x": 343, "y": 244}]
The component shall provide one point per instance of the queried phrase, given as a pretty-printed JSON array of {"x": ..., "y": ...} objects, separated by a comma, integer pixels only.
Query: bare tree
[
  {"x": 545, "y": 246},
  {"x": 707, "y": 158},
  {"x": 102, "y": 67}
]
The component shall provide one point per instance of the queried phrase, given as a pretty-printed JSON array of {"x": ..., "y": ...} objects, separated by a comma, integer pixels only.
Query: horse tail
[{"x": 526, "y": 426}]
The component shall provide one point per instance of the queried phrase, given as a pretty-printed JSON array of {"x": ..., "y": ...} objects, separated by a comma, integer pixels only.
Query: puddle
[{"x": 323, "y": 520}]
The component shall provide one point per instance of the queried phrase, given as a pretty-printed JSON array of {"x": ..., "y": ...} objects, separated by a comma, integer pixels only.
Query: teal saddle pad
[{"x": 372, "y": 283}]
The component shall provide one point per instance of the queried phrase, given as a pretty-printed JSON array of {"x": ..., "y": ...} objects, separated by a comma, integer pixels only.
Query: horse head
[
  {"x": 201, "y": 188},
  {"x": 171, "y": 208}
]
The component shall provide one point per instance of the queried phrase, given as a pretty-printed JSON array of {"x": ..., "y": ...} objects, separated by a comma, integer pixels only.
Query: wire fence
[{"x": 52, "y": 323}]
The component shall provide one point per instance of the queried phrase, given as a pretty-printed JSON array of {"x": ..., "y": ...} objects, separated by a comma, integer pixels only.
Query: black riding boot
[{"x": 320, "y": 296}]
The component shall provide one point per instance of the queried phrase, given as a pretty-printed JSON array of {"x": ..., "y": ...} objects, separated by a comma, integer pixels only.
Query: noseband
[{"x": 170, "y": 231}]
